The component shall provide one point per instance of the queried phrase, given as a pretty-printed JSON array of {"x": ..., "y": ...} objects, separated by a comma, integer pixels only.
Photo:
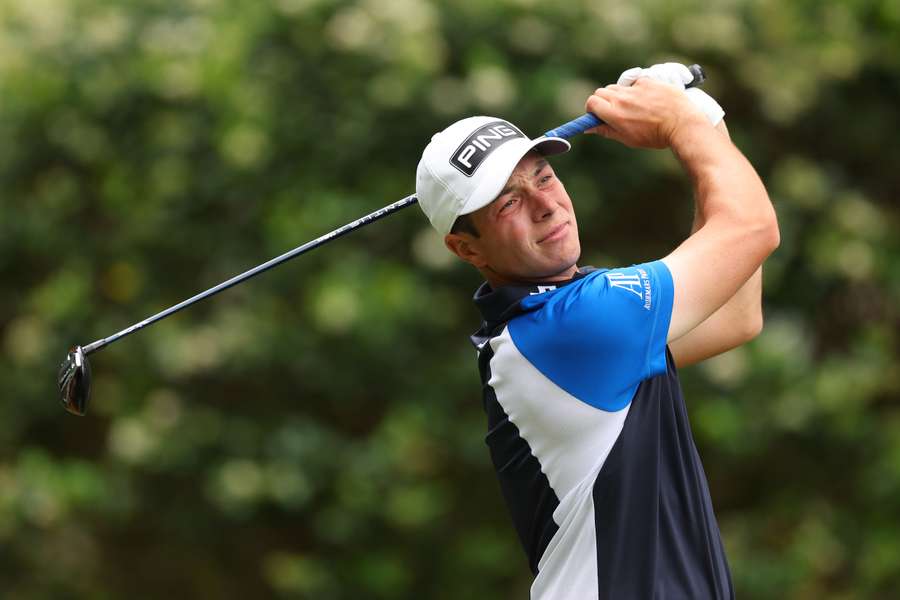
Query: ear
[{"x": 467, "y": 248}]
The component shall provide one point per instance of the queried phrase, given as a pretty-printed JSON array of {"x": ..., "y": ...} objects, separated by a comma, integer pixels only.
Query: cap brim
[{"x": 488, "y": 191}]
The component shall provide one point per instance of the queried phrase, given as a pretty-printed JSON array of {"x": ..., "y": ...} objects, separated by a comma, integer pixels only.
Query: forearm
[{"x": 727, "y": 189}]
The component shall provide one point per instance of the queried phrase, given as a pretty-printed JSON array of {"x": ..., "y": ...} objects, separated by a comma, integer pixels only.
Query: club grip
[
  {"x": 575, "y": 126},
  {"x": 589, "y": 120}
]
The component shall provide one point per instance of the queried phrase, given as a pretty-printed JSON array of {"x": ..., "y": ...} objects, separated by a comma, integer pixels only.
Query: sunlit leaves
[{"x": 318, "y": 431}]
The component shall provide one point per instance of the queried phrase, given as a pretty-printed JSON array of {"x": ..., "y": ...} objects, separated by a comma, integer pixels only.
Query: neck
[{"x": 496, "y": 279}]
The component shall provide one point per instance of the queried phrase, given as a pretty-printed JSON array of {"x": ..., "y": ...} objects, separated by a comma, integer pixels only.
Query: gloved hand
[{"x": 678, "y": 75}]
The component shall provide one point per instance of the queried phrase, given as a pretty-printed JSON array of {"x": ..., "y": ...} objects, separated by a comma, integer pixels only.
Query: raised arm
[
  {"x": 739, "y": 225},
  {"x": 738, "y": 321}
]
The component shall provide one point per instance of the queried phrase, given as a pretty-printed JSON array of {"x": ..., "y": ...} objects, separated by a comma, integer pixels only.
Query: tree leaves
[{"x": 318, "y": 431}]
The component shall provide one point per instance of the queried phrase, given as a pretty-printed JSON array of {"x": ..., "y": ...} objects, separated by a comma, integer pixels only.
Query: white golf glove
[{"x": 678, "y": 75}]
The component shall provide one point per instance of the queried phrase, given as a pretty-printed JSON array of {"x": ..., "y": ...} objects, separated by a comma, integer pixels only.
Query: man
[{"x": 587, "y": 426}]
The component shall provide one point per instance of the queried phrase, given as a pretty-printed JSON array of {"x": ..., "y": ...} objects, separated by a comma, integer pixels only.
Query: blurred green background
[{"x": 318, "y": 432}]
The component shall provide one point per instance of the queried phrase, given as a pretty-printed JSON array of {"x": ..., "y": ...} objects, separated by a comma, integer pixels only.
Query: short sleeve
[
  {"x": 599, "y": 337},
  {"x": 636, "y": 306}
]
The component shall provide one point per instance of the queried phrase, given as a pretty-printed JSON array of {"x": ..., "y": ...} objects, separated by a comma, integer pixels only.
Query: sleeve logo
[{"x": 639, "y": 285}]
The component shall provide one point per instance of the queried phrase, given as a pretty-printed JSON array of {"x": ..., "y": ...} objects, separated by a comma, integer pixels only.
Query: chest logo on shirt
[
  {"x": 638, "y": 284},
  {"x": 541, "y": 289}
]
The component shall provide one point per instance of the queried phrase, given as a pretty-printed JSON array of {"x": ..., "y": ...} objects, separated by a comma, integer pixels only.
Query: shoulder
[{"x": 633, "y": 286}]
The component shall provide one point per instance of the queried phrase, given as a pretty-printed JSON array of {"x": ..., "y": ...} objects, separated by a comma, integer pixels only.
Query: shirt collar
[{"x": 501, "y": 304}]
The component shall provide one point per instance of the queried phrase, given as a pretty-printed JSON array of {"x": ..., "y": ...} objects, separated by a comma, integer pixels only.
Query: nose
[{"x": 543, "y": 204}]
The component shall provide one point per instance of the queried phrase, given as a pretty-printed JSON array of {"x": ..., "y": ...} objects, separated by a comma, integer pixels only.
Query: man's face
[{"x": 528, "y": 233}]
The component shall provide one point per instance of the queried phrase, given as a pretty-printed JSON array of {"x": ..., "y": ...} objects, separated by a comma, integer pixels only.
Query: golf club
[{"x": 74, "y": 377}]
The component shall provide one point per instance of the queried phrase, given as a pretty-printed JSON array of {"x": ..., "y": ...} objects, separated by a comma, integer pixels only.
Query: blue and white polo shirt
[{"x": 589, "y": 436}]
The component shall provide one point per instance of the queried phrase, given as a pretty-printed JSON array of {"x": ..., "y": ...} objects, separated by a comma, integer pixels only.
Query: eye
[
  {"x": 545, "y": 179},
  {"x": 509, "y": 203}
]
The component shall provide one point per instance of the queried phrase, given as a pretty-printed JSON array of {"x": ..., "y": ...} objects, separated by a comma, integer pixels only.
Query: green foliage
[{"x": 317, "y": 433}]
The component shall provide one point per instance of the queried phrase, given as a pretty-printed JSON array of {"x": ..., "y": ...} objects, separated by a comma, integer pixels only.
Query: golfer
[{"x": 587, "y": 426}]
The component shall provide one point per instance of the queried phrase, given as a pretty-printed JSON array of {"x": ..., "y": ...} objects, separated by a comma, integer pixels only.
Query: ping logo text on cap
[{"x": 484, "y": 140}]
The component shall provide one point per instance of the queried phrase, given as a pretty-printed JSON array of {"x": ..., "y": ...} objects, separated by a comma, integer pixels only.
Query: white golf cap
[{"x": 465, "y": 166}]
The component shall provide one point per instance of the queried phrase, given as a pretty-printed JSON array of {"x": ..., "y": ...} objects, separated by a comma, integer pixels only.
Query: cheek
[
  {"x": 566, "y": 201},
  {"x": 509, "y": 243}
]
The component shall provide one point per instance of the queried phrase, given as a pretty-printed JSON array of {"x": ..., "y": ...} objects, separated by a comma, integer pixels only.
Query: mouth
[{"x": 557, "y": 233}]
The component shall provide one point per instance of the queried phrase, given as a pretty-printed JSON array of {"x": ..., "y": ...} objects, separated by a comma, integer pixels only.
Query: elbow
[
  {"x": 765, "y": 234},
  {"x": 773, "y": 235},
  {"x": 752, "y": 326},
  {"x": 756, "y": 231}
]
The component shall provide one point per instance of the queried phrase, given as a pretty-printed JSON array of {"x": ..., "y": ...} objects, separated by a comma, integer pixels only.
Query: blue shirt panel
[{"x": 598, "y": 337}]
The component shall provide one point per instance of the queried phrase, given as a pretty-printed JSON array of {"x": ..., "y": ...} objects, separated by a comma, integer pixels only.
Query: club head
[{"x": 75, "y": 381}]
